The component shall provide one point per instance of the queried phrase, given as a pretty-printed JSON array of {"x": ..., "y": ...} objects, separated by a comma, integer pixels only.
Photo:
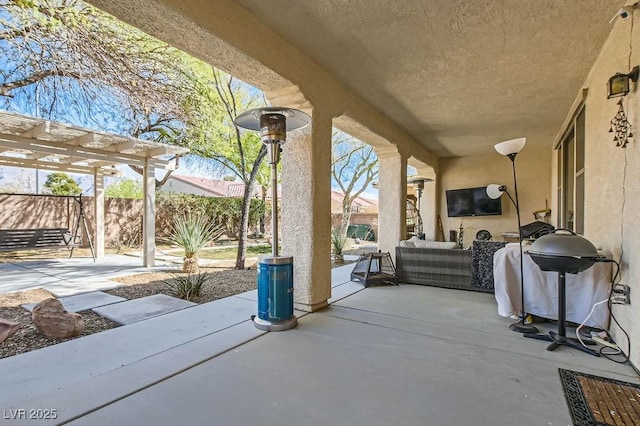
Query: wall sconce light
[{"x": 618, "y": 85}]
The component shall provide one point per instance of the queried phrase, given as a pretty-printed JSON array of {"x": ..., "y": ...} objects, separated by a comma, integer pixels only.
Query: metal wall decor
[{"x": 621, "y": 127}]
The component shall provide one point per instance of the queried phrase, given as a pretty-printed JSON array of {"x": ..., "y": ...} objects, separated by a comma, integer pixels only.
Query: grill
[{"x": 564, "y": 252}]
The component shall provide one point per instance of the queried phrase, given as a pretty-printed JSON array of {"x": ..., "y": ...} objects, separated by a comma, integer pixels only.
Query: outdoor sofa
[{"x": 441, "y": 264}]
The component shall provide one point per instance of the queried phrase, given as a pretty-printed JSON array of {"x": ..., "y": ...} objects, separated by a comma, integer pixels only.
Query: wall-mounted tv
[{"x": 472, "y": 202}]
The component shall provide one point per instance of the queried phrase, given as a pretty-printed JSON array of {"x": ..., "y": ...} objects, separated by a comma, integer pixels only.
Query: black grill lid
[{"x": 565, "y": 244}]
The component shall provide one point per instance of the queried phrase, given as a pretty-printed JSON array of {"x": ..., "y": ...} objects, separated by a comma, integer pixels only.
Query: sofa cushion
[
  {"x": 440, "y": 244},
  {"x": 415, "y": 242},
  {"x": 420, "y": 243}
]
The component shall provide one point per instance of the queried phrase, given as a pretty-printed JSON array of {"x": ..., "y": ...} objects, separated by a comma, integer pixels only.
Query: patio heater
[
  {"x": 275, "y": 272},
  {"x": 418, "y": 186}
]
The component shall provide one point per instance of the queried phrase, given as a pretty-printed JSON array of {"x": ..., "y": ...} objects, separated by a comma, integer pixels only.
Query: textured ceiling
[{"x": 457, "y": 75}]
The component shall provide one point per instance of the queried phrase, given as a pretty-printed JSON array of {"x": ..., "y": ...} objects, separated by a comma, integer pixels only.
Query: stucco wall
[
  {"x": 534, "y": 182},
  {"x": 123, "y": 217},
  {"x": 612, "y": 201}
]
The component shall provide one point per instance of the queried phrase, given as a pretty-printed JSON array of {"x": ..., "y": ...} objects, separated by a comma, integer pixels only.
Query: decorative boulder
[
  {"x": 7, "y": 329},
  {"x": 51, "y": 319}
]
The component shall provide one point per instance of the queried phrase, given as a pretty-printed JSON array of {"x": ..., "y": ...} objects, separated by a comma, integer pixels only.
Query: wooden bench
[{"x": 43, "y": 238}]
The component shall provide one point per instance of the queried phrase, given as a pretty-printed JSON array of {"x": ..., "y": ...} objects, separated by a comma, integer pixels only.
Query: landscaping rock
[
  {"x": 7, "y": 329},
  {"x": 54, "y": 322}
]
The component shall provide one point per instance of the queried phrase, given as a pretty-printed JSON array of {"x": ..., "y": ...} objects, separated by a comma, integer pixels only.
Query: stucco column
[
  {"x": 306, "y": 211},
  {"x": 149, "y": 213},
  {"x": 98, "y": 211},
  {"x": 392, "y": 199},
  {"x": 428, "y": 210}
]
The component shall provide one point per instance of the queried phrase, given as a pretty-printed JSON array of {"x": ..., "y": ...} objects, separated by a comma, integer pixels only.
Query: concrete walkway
[
  {"x": 401, "y": 355},
  {"x": 66, "y": 277}
]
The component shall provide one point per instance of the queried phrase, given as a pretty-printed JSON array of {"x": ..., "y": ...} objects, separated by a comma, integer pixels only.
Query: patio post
[
  {"x": 98, "y": 211},
  {"x": 306, "y": 211},
  {"x": 149, "y": 213},
  {"x": 392, "y": 196}
]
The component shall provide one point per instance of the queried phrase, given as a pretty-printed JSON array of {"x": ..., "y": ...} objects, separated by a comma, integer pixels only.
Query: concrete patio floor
[{"x": 401, "y": 355}]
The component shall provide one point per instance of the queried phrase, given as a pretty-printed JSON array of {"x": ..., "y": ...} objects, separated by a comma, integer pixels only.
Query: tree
[
  {"x": 60, "y": 183},
  {"x": 125, "y": 188},
  {"x": 85, "y": 63},
  {"x": 354, "y": 166},
  {"x": 240, "y": 153},
  {"x": 64, "y": 59}
]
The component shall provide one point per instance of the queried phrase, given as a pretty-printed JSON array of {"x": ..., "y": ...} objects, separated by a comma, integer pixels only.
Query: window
[{"x": 571, "y": 169}]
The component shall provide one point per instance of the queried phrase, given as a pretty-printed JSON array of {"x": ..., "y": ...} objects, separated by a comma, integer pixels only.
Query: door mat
[{"x": 595, "y": 400}]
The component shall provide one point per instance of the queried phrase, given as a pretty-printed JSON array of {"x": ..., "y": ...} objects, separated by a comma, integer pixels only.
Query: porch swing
[{"x": 50, "y": 238}]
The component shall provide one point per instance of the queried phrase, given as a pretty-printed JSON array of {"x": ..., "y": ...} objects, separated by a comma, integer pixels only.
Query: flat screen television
[{"x": 471, "y": 202}]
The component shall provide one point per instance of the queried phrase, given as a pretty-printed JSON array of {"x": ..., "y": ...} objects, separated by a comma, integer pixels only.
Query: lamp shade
[
  {"x": 512, "y": 146},
  {"x": 495, "y": 191}
]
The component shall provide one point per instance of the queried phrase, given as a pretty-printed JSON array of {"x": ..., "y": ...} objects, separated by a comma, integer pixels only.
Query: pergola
[{"x": 37, "y": 143}]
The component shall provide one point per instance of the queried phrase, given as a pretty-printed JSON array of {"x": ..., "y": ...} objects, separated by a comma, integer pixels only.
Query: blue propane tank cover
[{"x": 275, "y": 288}]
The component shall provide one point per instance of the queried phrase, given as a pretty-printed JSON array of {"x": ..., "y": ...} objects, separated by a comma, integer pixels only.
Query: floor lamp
[{"x": 510, "y": 149}]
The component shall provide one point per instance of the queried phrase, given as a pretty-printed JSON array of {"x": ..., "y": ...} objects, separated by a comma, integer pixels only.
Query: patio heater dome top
[{"x": 295, "y": 119}]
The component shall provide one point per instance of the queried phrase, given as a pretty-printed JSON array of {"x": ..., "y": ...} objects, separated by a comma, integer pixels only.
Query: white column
[
  {"x": 306, "y": 211},
  {"x": 392, "y": 199},
  {"x": 149, "y": 214},
  {"x": 98, "y": 211}
]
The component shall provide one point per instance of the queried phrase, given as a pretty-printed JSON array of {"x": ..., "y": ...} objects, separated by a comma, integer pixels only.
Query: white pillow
[
  {"x": 420, "y": 243},
  {"x": 407, "y": 244},
  {"x": 440, "y": 244},
  {"x": 413, "y": 239}
]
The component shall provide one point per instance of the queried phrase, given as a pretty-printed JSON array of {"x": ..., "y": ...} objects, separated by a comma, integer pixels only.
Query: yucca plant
[
  {"x": 187, "y": 287},
  {"x": 193, "y": 233},
  {"x": 338, "y": 241}
]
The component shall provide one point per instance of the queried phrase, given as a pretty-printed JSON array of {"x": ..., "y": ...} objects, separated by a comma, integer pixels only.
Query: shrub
[
  {"x": 187, "y": 287},
  {"x": 338, "y": 240},
  {"x": 224, "y": 211},
  {"x": 193, "y": 233}
]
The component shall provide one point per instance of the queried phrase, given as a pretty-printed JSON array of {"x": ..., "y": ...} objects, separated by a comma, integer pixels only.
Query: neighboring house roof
[
  {"x": 236, "y": 189},
  {"x": 360, "y": 201},
  {"x": 217, "y": 188}
]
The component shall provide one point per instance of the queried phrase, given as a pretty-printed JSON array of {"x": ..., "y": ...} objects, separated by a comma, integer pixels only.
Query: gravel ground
[{"x": 221, "y": 283}]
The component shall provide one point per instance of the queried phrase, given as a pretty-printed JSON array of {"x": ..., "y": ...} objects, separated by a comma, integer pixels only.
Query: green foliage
[
  {"x": 338, "y": 241},
  {"x": 231, "y": 252},
  {"x": 125, "y": 188},
  {"x": 193, "y": 233},
  {"x": 224, "y": 212},
  {"x": 60, "y": 183},
  {"x": 187, "y": 287}
]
